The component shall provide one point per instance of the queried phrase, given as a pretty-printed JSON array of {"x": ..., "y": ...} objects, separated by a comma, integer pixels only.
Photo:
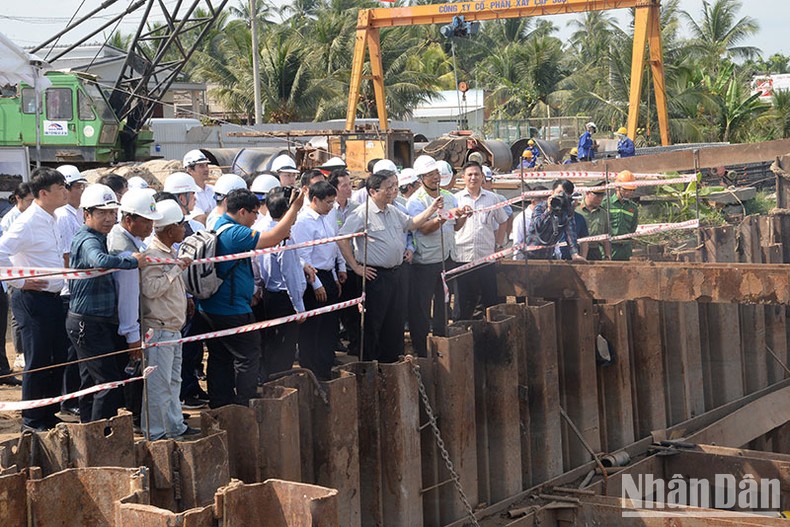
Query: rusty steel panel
[
  {"x": 159, "y": 457},
  {"x": 544, "y": 392},
  {"x": 614, "y": 380},
  {"x": 683, "y": 361},
  {"x": 724, "y": 382},
  {"x": 202, "y": 467},
  {"x": 277, "y": 412},
  {"x": 305, "y": 391},
  {"x": 749, "y": 240},
  {"x": 668, "y": 281},
  {"x": 81, "y": 496},
  {"x": 754, "y": 355},
  {"x": 13, "y": 499},
  {"x": 453, "y": 358},
  {"x": 401, "y": 478},
  {"x": 430, "y": 457},
  {"x": 578, "y": 378},
  {"x": 241, "y": 426},
  {"x": 336, "y": 445},
  {"x": 776, "y": 339},
  {"x": 648, "y": 367},
  {"x": 683, "y": 160},
  {"x": 277, "y": 503},
  {"x": 16, "y": 452},
  {"x": 719, "y": 244},
  {"x": 140, "y": 515}
]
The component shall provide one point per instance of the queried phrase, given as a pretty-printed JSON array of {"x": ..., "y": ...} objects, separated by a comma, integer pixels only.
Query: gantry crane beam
[{"x": 647, "y": 32}]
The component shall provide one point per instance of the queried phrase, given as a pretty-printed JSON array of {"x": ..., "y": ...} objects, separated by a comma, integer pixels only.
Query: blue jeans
[{"x": 163, "y": 388}]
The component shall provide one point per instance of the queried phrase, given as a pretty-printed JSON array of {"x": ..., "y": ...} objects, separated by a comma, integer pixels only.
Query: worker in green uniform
[
  {"x": 597, "y": 223},
  {"x": 623, "y": 215}
]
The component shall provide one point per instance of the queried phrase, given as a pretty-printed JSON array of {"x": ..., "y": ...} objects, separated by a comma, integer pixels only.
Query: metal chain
[{"x": 440, "y": 443}]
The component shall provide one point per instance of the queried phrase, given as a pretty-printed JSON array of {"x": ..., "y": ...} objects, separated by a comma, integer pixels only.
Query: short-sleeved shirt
[
  {"x": 236, "y": 274},
  {"x": 596, "y": 224},
  {"x": 623, "y": 219},
  {"x": 386, "y": 242},
  {"x": 428, "y": 247},
  {"x": 476, "y": 239}
]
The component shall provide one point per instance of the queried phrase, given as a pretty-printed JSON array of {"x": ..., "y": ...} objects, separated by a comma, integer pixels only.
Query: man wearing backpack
[{"x": 233, "y": 361}]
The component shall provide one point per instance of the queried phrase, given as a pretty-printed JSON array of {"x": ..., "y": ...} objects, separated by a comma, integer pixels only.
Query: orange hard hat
[{"x": 626, "y": 176}]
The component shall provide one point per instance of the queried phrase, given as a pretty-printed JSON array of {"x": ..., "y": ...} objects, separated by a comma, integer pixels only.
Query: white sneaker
[{"x": 19, "y": 362}]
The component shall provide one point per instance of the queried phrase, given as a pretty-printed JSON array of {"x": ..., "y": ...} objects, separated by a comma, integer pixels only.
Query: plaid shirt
[
  {"x": 546, "y": 229},
  {"x": 95, "y": 296}
]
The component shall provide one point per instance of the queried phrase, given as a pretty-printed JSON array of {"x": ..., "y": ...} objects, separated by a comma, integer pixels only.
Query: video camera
[{"x": 560, "y": 204}]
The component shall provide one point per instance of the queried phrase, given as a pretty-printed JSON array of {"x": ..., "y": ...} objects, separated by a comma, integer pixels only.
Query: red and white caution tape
[
  {"x": 257, "y": 252},
  {"x": 569, "y": 174},
  {"x": 17, "y": 273},
  {"x": 298, "y": 317},
  {"x": 9, "y": 406}
]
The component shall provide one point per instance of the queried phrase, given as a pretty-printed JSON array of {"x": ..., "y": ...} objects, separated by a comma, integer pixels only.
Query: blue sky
[{"x": 30, "y": 23}]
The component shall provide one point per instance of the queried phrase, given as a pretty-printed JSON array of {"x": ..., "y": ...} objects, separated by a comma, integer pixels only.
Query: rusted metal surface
[
  {"x": 721, "y": 353},
  {"x": 241, "y": 426},
  {"x": 277, "y": 503},
  {"x": 159, "y": 457},
  {"x": 454, "y": 373},
  {"x": 648, "y": 374},
  {"x": 277, "y": 413},
  {"x": 776, "y": 340},
  {"x": 755, "y": 356},
  {"x": 719, "y": 244},
  {"x": 614, "y": 380},
  {"x": 13, "y": 499},
  {"x": 202, "y": 467},
  {"x": 682, "y": 348},
  {"x": 430, "y": 456},
  {"x": 306, "y": 397},
  {"x": 668, "y": 281},
  {"x": 17, "y": 452},
  {"x": 82, "y": 496},
  {"x": 149, "y": 516}
]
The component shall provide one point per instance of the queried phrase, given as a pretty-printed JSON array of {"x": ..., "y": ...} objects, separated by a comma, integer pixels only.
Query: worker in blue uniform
[
  {"x": 574, "y": 157},
  {"x": 625, "y": 146},
  {"x": 586, "y": 143}
]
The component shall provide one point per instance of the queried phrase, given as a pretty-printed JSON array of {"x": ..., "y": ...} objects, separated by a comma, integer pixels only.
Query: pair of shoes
[
  {"x": 19, "y": 362},
  {"x": 189, "y": 433},
  {"x": 70, "y": 410},
  {"x": 339, "y": 346},
  {"x": 201, "y": 395},
  {"x": 11, "y": 381},
  {"x": 191, "y": 403}
]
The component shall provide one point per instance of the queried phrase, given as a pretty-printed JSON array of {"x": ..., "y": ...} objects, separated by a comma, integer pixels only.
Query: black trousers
[
  {"x": 425, "y": 288},
  {"x": 192, "y": 357},
  {"x": 350, "y": 317},
  {"x": 5, "y": 366},
  {"x": 92, "y": 336},
  {"x": 71, "y": 376},
  {"x": 278, "y": 344},
  {"x": 476, "y": 286},
  {"x": 41, "y": 323},
  {"x": 318, "y": 335},
  {"x": 233, "y": 361},
  {"x": 384, "y": 316}
]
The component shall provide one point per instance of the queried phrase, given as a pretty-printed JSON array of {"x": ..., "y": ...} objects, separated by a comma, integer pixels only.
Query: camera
[
  {"x": 288, "y": 193},
  {"x": 559, "y": 204}
]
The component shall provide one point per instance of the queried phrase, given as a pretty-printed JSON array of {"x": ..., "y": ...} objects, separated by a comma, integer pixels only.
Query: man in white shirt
[
  {"x": 33, "y": 240},
  {"x": 196, "y": 165},
  {"x": 475, "y": 240},
  {"x": 318, "y": 335}
]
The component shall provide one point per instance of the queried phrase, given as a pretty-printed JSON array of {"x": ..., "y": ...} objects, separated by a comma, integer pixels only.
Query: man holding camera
[{"x": 550, "y": 220}]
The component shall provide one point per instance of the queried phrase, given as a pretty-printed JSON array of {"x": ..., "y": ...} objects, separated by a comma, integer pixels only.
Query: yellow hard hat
[
  {"x": 527, "y": 154},
  {"x": 531, "y": 142},
  {"x": 622, "y": 131},
  {"x": 574, "y": 151},
  {"x": 626, "y": 176}
]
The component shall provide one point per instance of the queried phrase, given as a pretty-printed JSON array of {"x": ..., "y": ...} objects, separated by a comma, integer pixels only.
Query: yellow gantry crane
[{"x": 647, "y": 34}]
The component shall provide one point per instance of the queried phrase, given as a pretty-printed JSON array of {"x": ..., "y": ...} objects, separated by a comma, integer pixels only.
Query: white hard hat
[
  {"x": 194, "y": 157},
  {"x": 385, "y": 164},
  {"x": 284, "y": 163},
  {"x": 333, "y": 163},
  {"x": 71, "y": 173},
  {"x": 263, "y": 184},
  {"x": 139, "y": 201},
  {"x": 590, "y": 124},
  {"x": 407, "y": 176},
  {"x": 487, "y": 172},
  {"x": 137, "y": 182},
  {"x": 446, "y": 171},
  {"x": 169, "y": 212},
  {"x": 227, "y": 182},
  {"x": 98, "y": 196},
  {"x": 424, "y": 165},
  {"x": 180, "y": 183}
]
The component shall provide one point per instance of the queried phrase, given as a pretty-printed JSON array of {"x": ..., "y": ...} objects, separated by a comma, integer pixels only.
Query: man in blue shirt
[
  {"x": 551, "y": 221},
  {"x": 234, "y": 360},
  {"x": 92, "y": 320},
  {"x": 587, "y": 144},
  {"x": 625, "y": 146}
]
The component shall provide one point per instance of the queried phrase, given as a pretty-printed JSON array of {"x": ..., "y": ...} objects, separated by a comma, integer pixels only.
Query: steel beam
[{"x": 668, "y": 281}]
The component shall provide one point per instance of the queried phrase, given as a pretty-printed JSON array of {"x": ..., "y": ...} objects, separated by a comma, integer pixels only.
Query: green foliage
[{"x": 682, "y": 202}]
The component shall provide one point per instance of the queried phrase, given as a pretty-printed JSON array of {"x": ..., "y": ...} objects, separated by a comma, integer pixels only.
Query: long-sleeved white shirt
[
  {"x": 69, "y": 222},
  {"x": 310, "y": 226}
]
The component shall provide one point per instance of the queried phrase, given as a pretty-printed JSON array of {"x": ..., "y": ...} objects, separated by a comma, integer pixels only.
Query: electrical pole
[{"x": 255, "y": 53}]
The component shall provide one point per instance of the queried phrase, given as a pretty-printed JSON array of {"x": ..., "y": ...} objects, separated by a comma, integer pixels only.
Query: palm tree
[{"x": 720, "y": 34}]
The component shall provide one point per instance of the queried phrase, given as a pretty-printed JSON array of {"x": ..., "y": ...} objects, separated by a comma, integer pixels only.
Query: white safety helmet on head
[
  {"x": 137, "y": 182},
  {"x": 591, "y": 125},
  {"x": 488, "y": 174},
  {"x": 71, "y": 173},
  {"x": 227, "y": 182},
  {"x": 446, "y": 171},
  {"x": 170, "y": 212},
  {"x": 385, "y": 164},
  {"x": 284, "y": 163},
  {"x": 98, "y": 196},
  {"x": 194, "y": 157},
  {"x": 141, "y": 202},
  {"x": 425, "y": 165},
  {"x": 262, "y": 184},
  {"x": 407, "y": 176},
  {"x": 180, "y": 183},
  {"x": 333, "y": 163}
]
